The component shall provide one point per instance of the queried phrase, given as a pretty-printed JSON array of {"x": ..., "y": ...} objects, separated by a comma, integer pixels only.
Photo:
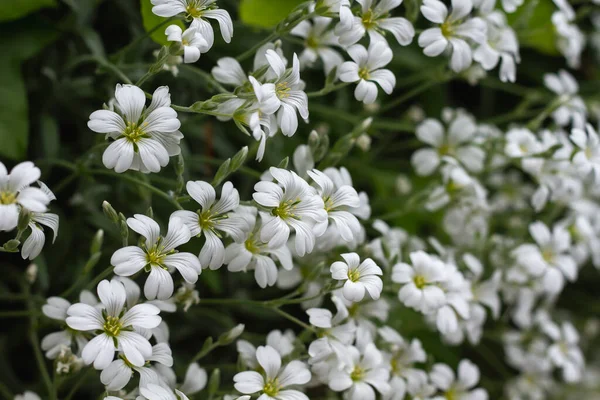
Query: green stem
[
  {"x": 100, "y": 61},
  {"x": 204, "y": 352},
  {"x": 107, "y": 271},
  {"x": 18, "y": 314},
  {"x": 35, "y": 343},
  {"x": 206, "y": 76},
  {"x": 146, "y": 185},
  {"x": 293, "y": 319},
  {"x": 5, "y": 392},
  {"x": 411, "y": 93},
  {"x": 327, "y": 89},
  {"x": 78, "y": 384},
  {"x": 137, "y": 40}
]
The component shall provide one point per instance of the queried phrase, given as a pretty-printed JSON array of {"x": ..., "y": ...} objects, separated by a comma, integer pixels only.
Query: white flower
[
  {"x": 359, "y": 277},
  {"x": 198, "y": 10},
  {"x": 501, "y": 46},
  {"x": 144, "y": 138},
  {"x": 318, "y": 43},
  {"x": 116, "y": 326},
  {"x": 212, "y": 219},
  {"x": 192, "y": 41},
  {"x": 251, "y": 253},
  {"x": 587, "y": 157},
  {"x": 286, "y": 93},
  {"x": 118, "y": 374},
  {"x": 282, "y": 342},
  {"x": 156, "y": 392},
  {"x": 335, "y": 336},
  {"x": 276, "y": 379},
  {"x": 455, "y": 143},
  {"x": 292, "y": 204},
  {"x": 363, "y": 376},
  {"x": 565, "y": 352},
  {"x": 339, "y": 201},
  {"x": 521, "y": 142},
  {"x": 56, "y": 308},
  {"x": 157, "y": 255},
  {"x": 570, "y": 39},
  {"x": 460, "y": 389},
  {"x": 366, "y": 70},
  {"x": 454, "y": 31},
  {"x": 549, "y": 258},
  {"x": 16, "y": 193},
  {"x": 420, "y": 281},
  {"x": 35, "y": 242},
  {"x": 27, "y": 395},
  {"x": 572, "y": 109},
  {"x": 374, "y": 17},
  {"x": 229, "y": 72}
]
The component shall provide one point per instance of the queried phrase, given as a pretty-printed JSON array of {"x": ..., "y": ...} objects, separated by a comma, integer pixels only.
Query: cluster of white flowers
[{"x": 514, "y": 220}]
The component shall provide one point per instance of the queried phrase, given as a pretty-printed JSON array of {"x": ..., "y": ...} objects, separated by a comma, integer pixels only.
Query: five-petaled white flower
[
  {"x": 285, "y": 94},
  {"x": 16, "y": 193},
  {"x": 359, "y": 277},
  {"x": 144, "y": 138},
  {"x": 362, "y": 375},
  {"x": 456, "y": 144},
  {"x": 587, "y": 158},
  {"x": 366, "y": 70},
  {"x": 454, "y": 31},
  {"x": 374, "y": 17},
  {"x": 293, "y": 203},
  {"x": 318, "y": 42},
  {"x": 339, "y": 203},
  {"x": 198, "y": 10},
  {"x": 276, "y": 379},
  {"x": 192, "y": 41},
  {"x": 253, "y": 254},
  {"x": 157, "y": 255},
  {"x": 420, "y": 281},
  {"x": 116, "y": 326},
  {"x": 572, "y": 108},
  {"x": 460, "y": 389},
  {"x": 212, "y": 219}
]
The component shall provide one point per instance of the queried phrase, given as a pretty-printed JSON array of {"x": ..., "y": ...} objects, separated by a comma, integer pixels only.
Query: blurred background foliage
[{"x": 57, "y": 65}]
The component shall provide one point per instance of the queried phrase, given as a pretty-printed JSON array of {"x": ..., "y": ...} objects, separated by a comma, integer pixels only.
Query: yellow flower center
[
  {"x": 548, "y": 255},
  {"x": 282, "y": 90},
  {"x": 286, "y": 209},
  {"x": 8, "y": 198},
  {"x": 312, "y": 42},
  {"x": 271, "y": 388},
  {"x": 155, "y": 256},
  {"x": 353, "y": 275},
  {"x": 357, "y": 374},
  {"x": 451, "y": 395},
  {"x": 447, "y": 29},
  {"x": 251, "y": 245},
  {"x": 368, "y": 20},
  {"x": 134, "y": 133},
  {"x": 445, "y": 150},
  {"x": 363, "y": 73},
  {"x": 420, "y": 281},
  {"x": 194, "y": 9},
  {"x": 112, "y": 325},
  {"x": 328, "y": 204}
]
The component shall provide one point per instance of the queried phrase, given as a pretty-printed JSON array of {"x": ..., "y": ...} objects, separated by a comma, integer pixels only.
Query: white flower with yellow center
[
  {"x": 318, "y": 42},
  {"x": 359, "y": 277},
  {"x": 420, "y": 282},
  {"x": 251, "y": 253},
  {"x": 115, "y": 326},
  {"x": 157, "y": 255},
  {"x": 587, "y": 157},
  {"x": 292, "y": 204},
  {"x": 213, "y": 219},
  {"x": 144, "y": 138},
  {"x": 455, "y": 31},
  {"x": 374, "y": 18},
  {"x": 16, "y": 193},
  {"x": 198, "y": 11},
  {"x": 366, "y": 69},
  {"x": 274, "y": 383},
  {"x": 444, "y": 379},
  {"x": 192, "y": 41}
]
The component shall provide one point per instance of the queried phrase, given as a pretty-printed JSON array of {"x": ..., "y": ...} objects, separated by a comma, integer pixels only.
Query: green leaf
[
  {"x": 10, "y": 10},
  {"x": 533, "y": 25},
  {"x": 17, "y": 43},
  {"x": 266, "y": 13},
  {"x": 151, "y": 21}
]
